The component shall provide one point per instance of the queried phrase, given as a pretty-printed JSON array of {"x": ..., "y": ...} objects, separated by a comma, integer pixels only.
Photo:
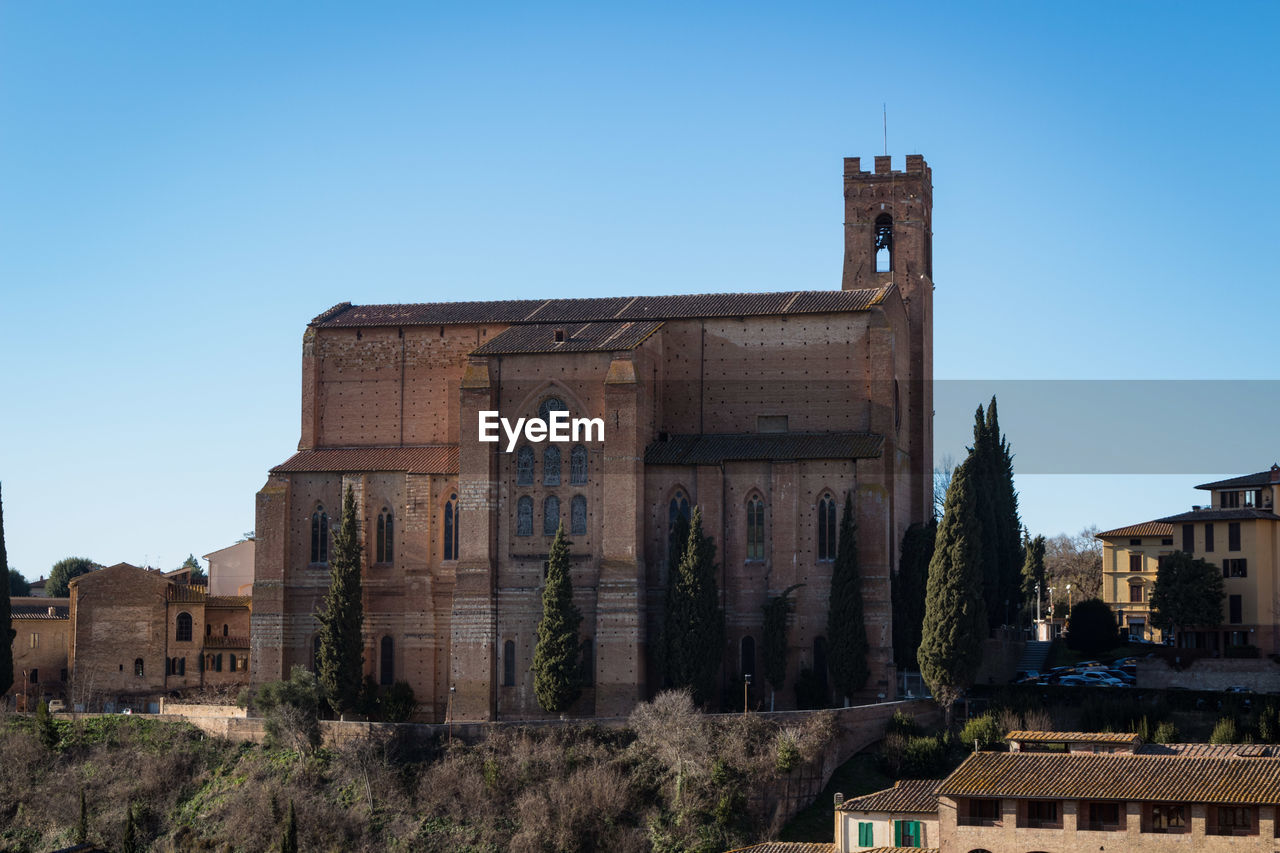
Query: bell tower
[{"x": 888, "y": 239}]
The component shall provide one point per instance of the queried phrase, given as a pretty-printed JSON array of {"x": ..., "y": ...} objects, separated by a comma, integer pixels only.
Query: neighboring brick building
[
  {"x": 139, "y": 633},
  {"x": 1074, "y": 791},
  {"x": 1238, "y": 531},
  {"x": 42, "y": 631},
  {"x": 765, "y": 409}
]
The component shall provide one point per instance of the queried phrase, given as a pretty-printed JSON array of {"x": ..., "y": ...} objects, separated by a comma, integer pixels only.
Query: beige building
[
  {"x": 231, "y": 569},
  {"x": 1238, "y": 531},
  {"x": 905, "y": 815},
  {"x": 41, "y": 630}
]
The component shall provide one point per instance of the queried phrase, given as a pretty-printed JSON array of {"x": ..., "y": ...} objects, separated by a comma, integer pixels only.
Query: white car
[{"x": 1099, "y": 677}]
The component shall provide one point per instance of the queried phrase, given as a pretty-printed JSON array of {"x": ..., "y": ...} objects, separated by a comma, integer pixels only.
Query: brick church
[{"x": 765, "y": 409}]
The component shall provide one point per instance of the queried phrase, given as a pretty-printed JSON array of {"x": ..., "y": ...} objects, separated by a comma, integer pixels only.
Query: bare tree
[
  {"x": 1075, "y": 560},
  {"x": 942, "y": 482},
  {"x": 675, "y": 732}
]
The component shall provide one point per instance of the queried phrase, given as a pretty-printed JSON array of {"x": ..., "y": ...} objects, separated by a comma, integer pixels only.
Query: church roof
[
  {"x": 425, "y": 459},
  {"x": 715, "y": 448},
  {"x": 576, "y": 337},
  {"x": 621, "y": 308}
]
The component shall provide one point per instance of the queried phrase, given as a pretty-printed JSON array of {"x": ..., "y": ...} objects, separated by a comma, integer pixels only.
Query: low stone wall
[
  {"x": 1258, "y": 674},
  {"x": 188, "y": 710}
]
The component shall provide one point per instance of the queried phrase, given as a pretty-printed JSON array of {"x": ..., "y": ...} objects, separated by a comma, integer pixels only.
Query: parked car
[
  {"x": 1126, "y": 677},
  {"x": 1089, "y": 664},
  {"x": 1074, "y": 681},
  {"x": 1235, "y": 688},
  {"x": 1098, "y": 676},
  {"x": 1026, "y": 676},
  {"x": 57, "y": 706}
]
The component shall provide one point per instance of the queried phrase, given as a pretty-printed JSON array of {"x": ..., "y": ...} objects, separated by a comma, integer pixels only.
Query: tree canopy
[
  {"x": 776, "y": 610},
  {"x": 63, "y": 572},
  {"x": 197, "y": 573},
  {"x": 1188, "y": 593},
  {"x": 18, "y": 585},
  {"x": 693, "y": 631},
  {"x": 846, "y": 626},
  {"x": 557, "y": 666},
  {"x": 908, "y": 590},
  {"x": 991, "y": 462},
  {"x": 341, "y": 658},
  {"x": 1091, "y": 628}
]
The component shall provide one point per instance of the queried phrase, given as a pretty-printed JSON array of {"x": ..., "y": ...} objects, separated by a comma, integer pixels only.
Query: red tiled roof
[
  {"x": 513, "y": 311},
  {"x": 1146, "y": 528},
  {"x": 714, "y": 448},
  {"x": 792, "y": 847},
  {"x": 1074, "y": 737},
  {"x": 1116, "y": 776},
  {"x": 188, "y": 593},
  {"x": 216, "y": 642},
  {"x": 578, "y": 337},
  {"x": 427, "y": 459},
  {"x": 907, "y": 795}
]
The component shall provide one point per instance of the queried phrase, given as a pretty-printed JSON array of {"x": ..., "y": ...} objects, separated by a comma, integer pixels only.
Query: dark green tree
[
  {"x": 908, "y": 591},
  {"x": 341, "y": 656},
  {"x": 18, "y": 585},
  {"x": 197, "y": 573},
  {"x": 846, "y": 626},
  {"x": 289, "y": 843},
  {"x": 63, "y": 572},
  {"x": 1188, "y": 593},
  {"x": 991, "y": 459},
  {"x": 677, "y": 544},
  {"x": 129, "y": 843},
  {"x": 955, "y": 622},
  {"x": 693, "y": 633},
  {"x": 776, "y": 610},
  {"x": 557, "y": 657},
  {"x": 82, "y": 825},
  {"x": 1091, "y": 627},
  {"x": 1032, "y": 574},
  {"x": 6, "y": 620}
]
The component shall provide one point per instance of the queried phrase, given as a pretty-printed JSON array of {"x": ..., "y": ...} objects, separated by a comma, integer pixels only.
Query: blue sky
[{"x": 183, "y": 186}]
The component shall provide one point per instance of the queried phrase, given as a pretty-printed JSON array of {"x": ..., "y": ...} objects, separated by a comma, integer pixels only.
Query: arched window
[
  {"x": 524, "y": 466},
  {"x": 588, "y": 663},
  {"x": 755, "y": 528},
  {"x": 827, "y": 528},
  {"x": 183, "y": 634},
  {"x": 551, "y": 466},
  {"x": 208, "y": 629},
  {"x": 550, "y": 515},
  {"x": 315, "y": 653},
  {"x": 549, "y": 405},
  {"x": 578, "y": 465},
  {"x": 748, "y": 655},
  {"x": 509, "y": 663},
  {"x": 386, "y": 537},
  {"x": 884, "y": 243},
  {"x": 137, "y": 667},
  {"x": 387, "y": 662},
  {"x": 451, "y": 528},
  {"x": 319, "y": 536},
  {"x": 524, "y": 516},
  {"x": 578, "y": 516},
  {"x": 676, "y": 510},
  {"x": 224, "y": 630}
]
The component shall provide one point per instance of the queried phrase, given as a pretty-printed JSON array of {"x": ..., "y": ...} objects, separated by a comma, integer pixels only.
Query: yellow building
[{"x": 1237, "y": 531}]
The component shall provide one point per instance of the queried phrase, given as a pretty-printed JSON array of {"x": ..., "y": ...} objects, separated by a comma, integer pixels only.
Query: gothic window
[
  {"x": 387, "y": 662},
  {"x": 551, "y": 466},
  {"x": 319, "y": 535},
  {"x": 509, "y": 664},
  {"x": 578, "y": 516},
  {"x": 884, "y": 243},
  {"x": 578, "y": 465},
  {"x": 677, "y": 509},
  {"x": 551, "y": 404},
  {"x": 748, "y": 655},
  {"x": 137, "y": 667},
  {"x": 524, "y": 516},
  {"x": 184, "y": 628},
  {"x": 550, "y": 515},
  {"x": 755, "y": 529},
  {"x": 827, "y": 528},
  {"x": 386, "y": 536},
  {"x": 524, "y": 466},
  {"x": 451, "y": 528}
]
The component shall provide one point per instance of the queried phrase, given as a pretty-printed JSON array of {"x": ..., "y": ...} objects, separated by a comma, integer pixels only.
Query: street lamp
[
  {"x": 448, "y": 714},
  {"x": 746, "y": 687}
]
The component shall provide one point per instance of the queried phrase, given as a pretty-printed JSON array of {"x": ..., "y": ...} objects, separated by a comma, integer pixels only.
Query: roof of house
[
  {"x": 1211, "y": 750},
  {"x": 906, "y": 795},
  {"x": 793, "y": 847},
  {"x": 1116, "y": 776},
  {"x": 1074, "y": 737},
  {"x": 1146, "y": 528},
  {"x": 609, "y": 336},
  {"x": 1240, "y": 514},
  {"x": 715, "y": 448},
  {"x": 424, "y": 459},
  {"x": 514, "y": 311},
  {"x": 1262, "y": 478}
]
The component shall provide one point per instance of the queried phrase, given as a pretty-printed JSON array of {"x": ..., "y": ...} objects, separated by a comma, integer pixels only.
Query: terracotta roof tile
[
  {"x": 1074, "y": 737},
  {"x": 714, "y": 448},
  {"x": 513, "y": 311},
  {"x": 578, "y": 337},
  {"x": 1241, "y": 514},
  {"x": 901, "y": 850},
  {"x": 906, "y": 795},
  {"x": 1146, "y": 528},
  {"x": 1262, "y": 478},
  {"x": 229, "y": 601},
  {"x": 1116, "y": 776},
  {"x": 187, "y": 593},
  {"x": 231, "y": 642},
  {"x": 790, "y": 847},
  {"x": 427, "y": 459}
]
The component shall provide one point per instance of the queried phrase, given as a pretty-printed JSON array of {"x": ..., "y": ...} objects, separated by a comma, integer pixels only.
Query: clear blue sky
[{"x": 183, "y": 186}]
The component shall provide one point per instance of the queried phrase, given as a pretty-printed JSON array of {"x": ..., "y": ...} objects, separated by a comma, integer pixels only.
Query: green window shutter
[
  {"x": 865, "y": 835},
  {"x": 897, "y": 833},
  {"x": 916, "y": 838}
]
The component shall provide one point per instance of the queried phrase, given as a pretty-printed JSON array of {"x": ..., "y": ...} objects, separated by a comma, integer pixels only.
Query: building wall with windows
[
  {"x": 768, "y": 411},
  {"x": 42, "y": 631},
  {"x": 1238, "y": 531}
]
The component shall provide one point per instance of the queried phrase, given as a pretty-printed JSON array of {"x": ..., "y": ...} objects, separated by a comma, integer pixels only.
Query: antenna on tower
[{"x": 884, "y": 108}]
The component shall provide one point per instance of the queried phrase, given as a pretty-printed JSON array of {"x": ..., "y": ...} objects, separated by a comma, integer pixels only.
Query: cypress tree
[
  {"x": 846, "y": 628},
  {"x": 289, "y": 843},
  {"x": 557, "y": 667},
  {"x": 908, "y": 590},
  {"x": 1032, "y": 572},
  {"x": 341, "y": 658},
  {"x": 955, "y": 622},
  {"x": 129, "y": 844},
  {"x": 694, "y": 630},
  {"x": 676, "y": 546},
  {"x": 82, "y": 826},
  {"x": 6, "y": 616},
  {"x": 774, "y": 644},
  {"x": 991, "y": 460}
]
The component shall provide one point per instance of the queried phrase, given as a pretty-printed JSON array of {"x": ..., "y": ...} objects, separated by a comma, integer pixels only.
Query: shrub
[
  {"x": 923, "y": 757},
  {"x": 1268, "y": 724},
  {"x": 1166, "y": 732},
  {"x": 398, "y": 703},
  {"x": 292, "y": 710},
  {"x": 788, "y": 754},
  {"x": 1224, "y": 731},
  {"x": 903, "y": 724},
  {"x": 1092, "y": 627},
  {"x": 983, "y": 729}
]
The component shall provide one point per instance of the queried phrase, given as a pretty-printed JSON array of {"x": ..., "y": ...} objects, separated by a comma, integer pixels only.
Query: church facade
[{"x": 767, "y": 410}]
